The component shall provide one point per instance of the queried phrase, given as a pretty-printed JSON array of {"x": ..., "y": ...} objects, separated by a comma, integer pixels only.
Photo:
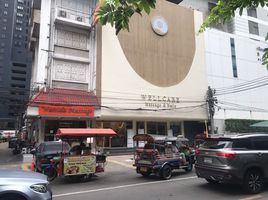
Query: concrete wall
[
  {"x": 129, "y": 95},
  {"x": 249, "y": 104}
]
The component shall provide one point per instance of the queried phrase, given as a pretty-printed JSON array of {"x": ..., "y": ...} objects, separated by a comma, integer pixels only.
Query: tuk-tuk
[
  {"x": 160, "y": 155},
  {"x": 86, "y": 157}
]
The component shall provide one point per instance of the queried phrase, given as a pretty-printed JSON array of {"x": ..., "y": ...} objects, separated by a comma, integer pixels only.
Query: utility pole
[{"x": 211, "y": 102}]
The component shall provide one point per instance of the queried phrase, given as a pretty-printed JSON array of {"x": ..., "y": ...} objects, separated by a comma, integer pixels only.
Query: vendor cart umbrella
[{"x": 263, "y": 124}]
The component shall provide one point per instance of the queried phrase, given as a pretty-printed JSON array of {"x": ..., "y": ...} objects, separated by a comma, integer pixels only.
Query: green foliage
[
  {"x": 243, "y": 126},
  {"x": 118, "y": 12}
]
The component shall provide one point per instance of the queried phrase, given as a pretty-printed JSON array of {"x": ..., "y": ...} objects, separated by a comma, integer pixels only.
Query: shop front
[
  {"x": 51, "y": 109},
  {"x": 153, "y": 77}
]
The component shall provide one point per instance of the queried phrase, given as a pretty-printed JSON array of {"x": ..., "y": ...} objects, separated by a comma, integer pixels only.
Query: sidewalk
[{"x": 23, "y": 161}]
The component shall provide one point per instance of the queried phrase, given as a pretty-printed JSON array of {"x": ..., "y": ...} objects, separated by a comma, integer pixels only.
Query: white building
[
  {"x": 234, "y": 67},
  {"x": 152, "y": 79}
]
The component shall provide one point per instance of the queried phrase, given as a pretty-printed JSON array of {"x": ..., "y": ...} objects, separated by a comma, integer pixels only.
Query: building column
[{"x": 182, "y": 128}]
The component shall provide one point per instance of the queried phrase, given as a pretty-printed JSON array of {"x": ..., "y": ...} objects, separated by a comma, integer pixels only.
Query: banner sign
[
  {"x": 78, "y": 111},
  {"x": 76, "y": 165}
]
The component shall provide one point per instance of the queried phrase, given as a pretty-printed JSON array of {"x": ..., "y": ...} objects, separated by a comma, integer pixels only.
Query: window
[
  {"x": 17, "y": 86},
  {"x": 19, "y": 21},
  {"x": 260, "y": 143},
  {"x": 157, "y": 128},
  {"x": 21, "y": 1},
  {"x": 252, "y": 12},
  {"x": 242, "y": 144},
  {"x": 18, "y": 72},
  {"x": 19, "y": 7},
  {"x": 5, "y": 12},
  {"x": 6, "y": 5},
  {"x": 18, "y": 28},
  {"x": 253, "y": 28},
  {"x": 3, "y": 36},
  {"x": 19, "y": 14},
  {"x": 19, "y": 65},
  {"x": 4, "y": 19},
  {"x": 233, "y": 53},
  {"x": 18, "y": 79},
  {"x": 4, "y": 28}
]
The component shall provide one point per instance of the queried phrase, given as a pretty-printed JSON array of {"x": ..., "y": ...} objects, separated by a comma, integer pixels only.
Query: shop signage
[
  {"x": 76, "y": 165},
  {"x": 70, "y": 111},
  {"x": 163, "y": 102}
]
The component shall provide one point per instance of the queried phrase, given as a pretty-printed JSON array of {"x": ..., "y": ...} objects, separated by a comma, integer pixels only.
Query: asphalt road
[{"x": 120, "y": 182}]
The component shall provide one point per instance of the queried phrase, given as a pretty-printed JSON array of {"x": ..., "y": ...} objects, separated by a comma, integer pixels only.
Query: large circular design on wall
[{"x": 161, "y": 55}]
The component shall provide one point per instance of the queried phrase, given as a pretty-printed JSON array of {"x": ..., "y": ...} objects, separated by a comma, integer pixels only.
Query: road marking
[
  {"x": 252, "y": 197},
  {"x": 123, "y": 186},
  {"x": 120, "y": 163}
]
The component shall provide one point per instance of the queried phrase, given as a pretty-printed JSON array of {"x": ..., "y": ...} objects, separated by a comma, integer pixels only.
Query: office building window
[
  {"x": 19, "y": 21},
  {"x": 233, "y": 53},
  {"x": 4, "y": 28},
  {"x": 19, "y": 14},
  {"x": 18, "y": 28},
  {"x": 3, "y": 36},
  {"x": 5, "y": 20},
  {"x": 5, "y": 12},
  {"x": 21, "y": 1},
  {"x": 253, "y": 28},
  {"x": 19, "y": 7},
  {"x": 6, "y": 5},
  {"x": 252, "y": 12}
]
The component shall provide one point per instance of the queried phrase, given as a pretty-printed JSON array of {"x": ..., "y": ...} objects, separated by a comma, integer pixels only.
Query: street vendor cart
[{"x": 85, "y": 157}]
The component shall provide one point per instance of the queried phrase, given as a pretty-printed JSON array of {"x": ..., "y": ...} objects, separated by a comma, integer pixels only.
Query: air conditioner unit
[
  {"x": 62, "y": 13},
  {"x": 80, "y": 19}
]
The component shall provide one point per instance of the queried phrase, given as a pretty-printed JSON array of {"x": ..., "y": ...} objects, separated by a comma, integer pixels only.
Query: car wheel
[
  {"x": 211, "y": 181},
  {"x": 12, "y": 197},
  {"x": 253, "y": 181},
  {"x": 166, "y": 172},
  {"x": 51, "y": 173},
  {"x": 146, "y": 174}
]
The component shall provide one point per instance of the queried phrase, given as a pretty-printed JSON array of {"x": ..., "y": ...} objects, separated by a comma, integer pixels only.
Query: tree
[{"x": 118, "y": 13}]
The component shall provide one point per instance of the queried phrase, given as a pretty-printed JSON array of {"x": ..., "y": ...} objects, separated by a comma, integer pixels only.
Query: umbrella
[{"x": 263, "y": 124}]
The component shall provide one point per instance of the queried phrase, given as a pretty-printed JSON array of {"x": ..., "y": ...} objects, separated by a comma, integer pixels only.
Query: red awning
[
  {"x": 84, "y": 132},
  {"x": 59, "y": 96}
]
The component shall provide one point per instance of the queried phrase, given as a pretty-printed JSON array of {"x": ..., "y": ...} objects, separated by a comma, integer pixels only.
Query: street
[{"x": 120, "y": 182}]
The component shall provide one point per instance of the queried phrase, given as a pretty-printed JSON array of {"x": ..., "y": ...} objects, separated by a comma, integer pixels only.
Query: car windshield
[
  {"x": 59, "y": 147},
  {"x": 216, "y": 144}
]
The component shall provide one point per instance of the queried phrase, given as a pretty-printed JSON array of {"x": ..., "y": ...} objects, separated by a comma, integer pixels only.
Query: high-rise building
[{"x": 15, "y": 61}]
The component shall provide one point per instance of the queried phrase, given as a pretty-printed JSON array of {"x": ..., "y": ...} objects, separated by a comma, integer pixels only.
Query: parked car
[
  {"x": 240, "y": 159},
  {"x": 46, "y": 151},
  {"x": 160, "y": 156},
  {"x": 18, "y": 185}
]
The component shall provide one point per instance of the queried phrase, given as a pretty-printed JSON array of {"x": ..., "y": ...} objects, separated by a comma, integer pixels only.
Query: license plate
[
  {"x": 207, "y": 160},
  {"x": 143, "y": 169}
]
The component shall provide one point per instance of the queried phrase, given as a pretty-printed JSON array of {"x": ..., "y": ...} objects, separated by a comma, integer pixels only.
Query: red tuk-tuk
[{"x": 86, "y": 156}]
